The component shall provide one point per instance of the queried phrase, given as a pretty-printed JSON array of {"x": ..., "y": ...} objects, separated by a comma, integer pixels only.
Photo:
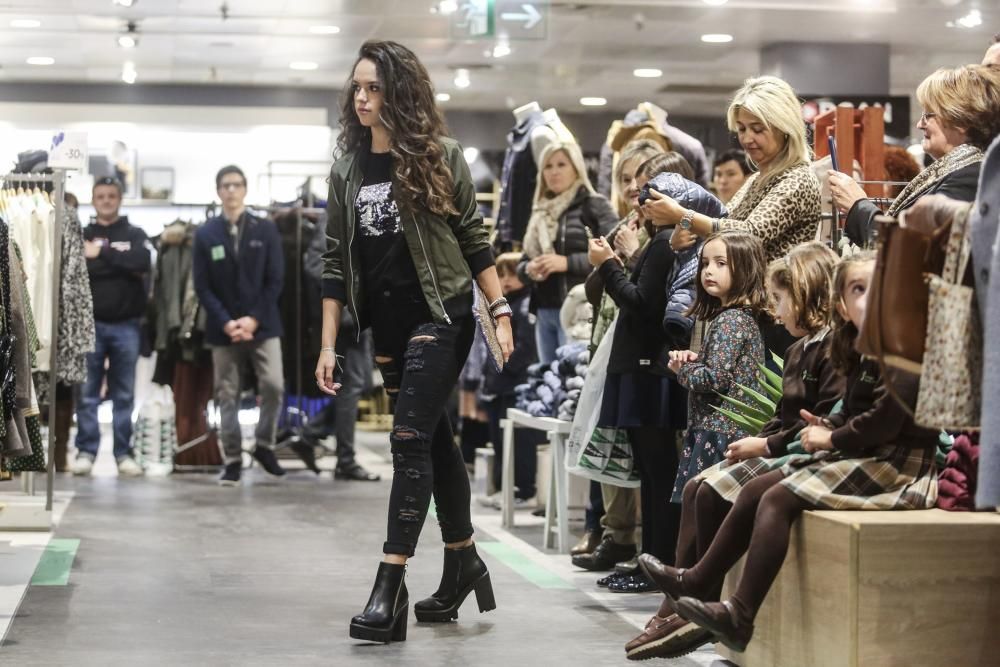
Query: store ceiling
[{"x": 591, "y": 47}]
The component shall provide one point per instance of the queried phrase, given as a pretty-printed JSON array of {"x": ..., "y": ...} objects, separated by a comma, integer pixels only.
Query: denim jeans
[
  {"x": 419, "y": 372},
  {"x": 549, "y": 334},
  {"x": 117, "y": 343}
]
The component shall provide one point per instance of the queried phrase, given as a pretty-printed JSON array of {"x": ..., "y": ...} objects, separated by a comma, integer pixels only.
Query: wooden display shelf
[{"x": 882, "y": 589}]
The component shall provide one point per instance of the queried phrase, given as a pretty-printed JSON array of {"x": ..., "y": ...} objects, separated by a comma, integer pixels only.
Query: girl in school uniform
[
  {"x": 799, "y": 286},
  {"x": 868, "y": 456}
]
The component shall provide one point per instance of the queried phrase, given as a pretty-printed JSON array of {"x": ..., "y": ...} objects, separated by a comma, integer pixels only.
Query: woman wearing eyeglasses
[{"x": 958, "y": 124}]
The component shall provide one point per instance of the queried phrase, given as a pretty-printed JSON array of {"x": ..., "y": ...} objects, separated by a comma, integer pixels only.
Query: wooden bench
[{"x": 872, "y": 589}]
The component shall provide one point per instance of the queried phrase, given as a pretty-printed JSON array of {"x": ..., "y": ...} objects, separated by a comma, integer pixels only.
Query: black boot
[
  {"x": 464, "y": 571},
  {"x": 384, "y": 618},
  {"x": 305, "y": 449}
]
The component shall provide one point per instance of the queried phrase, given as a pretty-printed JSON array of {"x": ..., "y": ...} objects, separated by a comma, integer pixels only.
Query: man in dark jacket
[
  {"x": 118, "y": 261},
  {"x": 238, "y": 273}
]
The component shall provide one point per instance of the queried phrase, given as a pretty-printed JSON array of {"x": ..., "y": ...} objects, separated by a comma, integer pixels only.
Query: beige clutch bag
[{"x": 487, "y": 326}]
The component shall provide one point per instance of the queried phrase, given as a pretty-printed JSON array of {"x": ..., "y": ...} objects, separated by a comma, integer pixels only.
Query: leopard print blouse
[{"x": 782, "y": 214}]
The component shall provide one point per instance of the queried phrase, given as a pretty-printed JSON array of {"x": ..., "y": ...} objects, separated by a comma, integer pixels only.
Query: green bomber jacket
[{"x": 448, "y": 251}]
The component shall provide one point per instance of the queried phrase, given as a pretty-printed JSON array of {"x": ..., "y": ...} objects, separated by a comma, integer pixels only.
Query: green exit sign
[
  {"x": 516, "y": 20},
  {"x": 474, "y": 19}
]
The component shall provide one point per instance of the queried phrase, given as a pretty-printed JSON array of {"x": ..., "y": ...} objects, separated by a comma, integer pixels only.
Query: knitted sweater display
[{"x": 553, "y": 390}]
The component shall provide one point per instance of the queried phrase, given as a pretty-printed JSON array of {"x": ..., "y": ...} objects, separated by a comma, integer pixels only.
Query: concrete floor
[{"x": 178, "y": 571}]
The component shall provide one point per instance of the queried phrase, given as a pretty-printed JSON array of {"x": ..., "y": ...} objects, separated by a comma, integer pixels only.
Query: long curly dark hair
[{"x": 415, "y": 125}]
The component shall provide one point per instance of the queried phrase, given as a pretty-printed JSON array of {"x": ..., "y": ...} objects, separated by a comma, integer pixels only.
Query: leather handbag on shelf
[
  {"x": 895, "y": 327},
  {"x": 951, "y": 382}
]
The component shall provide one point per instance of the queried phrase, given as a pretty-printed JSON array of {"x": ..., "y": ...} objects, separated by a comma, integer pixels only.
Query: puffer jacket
[
  {"x": 680, "y": 283},
  {"x": 586, "y": 211}
]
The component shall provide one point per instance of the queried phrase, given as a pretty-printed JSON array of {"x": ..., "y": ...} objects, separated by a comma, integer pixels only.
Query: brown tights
[{"x": 759, "y": 525}]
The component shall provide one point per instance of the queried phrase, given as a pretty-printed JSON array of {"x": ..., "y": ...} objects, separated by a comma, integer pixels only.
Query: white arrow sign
[{"x": 531, "y": 16}]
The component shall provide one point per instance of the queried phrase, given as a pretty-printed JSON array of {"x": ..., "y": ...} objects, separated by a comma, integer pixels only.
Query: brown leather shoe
[
  {"x": 721, "y": 619},
  {"x": 666, "y": 578},
  {"x": 587, "y": 543},
  {"x": 667, "y": 637}
]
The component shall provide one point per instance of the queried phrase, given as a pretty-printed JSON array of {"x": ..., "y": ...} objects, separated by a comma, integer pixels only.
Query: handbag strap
[{"x": 959, "y": 249}]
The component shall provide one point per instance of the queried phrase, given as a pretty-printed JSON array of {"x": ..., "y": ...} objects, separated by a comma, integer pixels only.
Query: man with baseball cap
[{"x": 118, "y": 261}]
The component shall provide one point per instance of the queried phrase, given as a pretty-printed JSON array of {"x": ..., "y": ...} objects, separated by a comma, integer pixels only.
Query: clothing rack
[
  {"x": 58, "y": 180},
  {"x": 296, "y": 425}
]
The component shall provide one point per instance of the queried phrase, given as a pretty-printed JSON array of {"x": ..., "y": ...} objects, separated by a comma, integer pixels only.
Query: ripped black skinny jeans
[{"x": 419, "y": 373}]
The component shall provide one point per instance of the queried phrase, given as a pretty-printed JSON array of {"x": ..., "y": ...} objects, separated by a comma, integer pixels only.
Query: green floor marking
[
  {"x": 57, "y": 561},
  {"x": 523, "y": 565}
]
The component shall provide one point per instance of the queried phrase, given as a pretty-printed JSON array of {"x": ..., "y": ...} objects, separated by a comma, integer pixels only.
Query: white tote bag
[
  {"x": 156, "y": 432},
  {"x": 600, "y": 454}
]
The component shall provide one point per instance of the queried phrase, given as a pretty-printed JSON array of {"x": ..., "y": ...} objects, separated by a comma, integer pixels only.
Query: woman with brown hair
[{"x": 405, "y": 241}]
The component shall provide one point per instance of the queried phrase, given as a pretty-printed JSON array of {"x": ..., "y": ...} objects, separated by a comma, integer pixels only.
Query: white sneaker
[
  {"x": 82, "y": 465},
  {"x": 491, "y": 501},
  {"x": 519, "y": 503},
  {"x": 129, "y": 467}
]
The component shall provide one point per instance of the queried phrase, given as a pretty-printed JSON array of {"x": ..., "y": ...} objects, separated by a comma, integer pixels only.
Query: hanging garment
[
  {"x": 76, "y": 312},
  {"x": 517, "y": 181},
  {"x": 300, "y": 306},
  {"x": 193, "y": 388},
  {"x": 180, "y": 319},
  {"x": 30, "y": 455}
]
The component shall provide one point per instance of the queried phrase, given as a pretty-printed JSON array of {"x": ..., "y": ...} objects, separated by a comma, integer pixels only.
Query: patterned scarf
[
  {"x": 539, "y": 238},
  {"x": 957, "y": 158}
]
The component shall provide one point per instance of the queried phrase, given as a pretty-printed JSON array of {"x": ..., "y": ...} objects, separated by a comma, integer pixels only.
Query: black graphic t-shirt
[{"x": 389, "y": 275}]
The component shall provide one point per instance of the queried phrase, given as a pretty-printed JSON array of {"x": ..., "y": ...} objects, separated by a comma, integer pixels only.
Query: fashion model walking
[{"x": 405, "y": 240}]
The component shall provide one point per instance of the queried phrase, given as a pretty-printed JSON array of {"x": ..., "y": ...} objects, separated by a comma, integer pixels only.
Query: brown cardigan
[
  {"x": 809, "y": 383},
  {"x": 871, "y": 417}
]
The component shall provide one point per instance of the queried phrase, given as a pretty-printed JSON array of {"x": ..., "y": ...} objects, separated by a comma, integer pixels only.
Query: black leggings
[
  {"x": 419, "y": 375},
  {"x": 656, "y": 458}
]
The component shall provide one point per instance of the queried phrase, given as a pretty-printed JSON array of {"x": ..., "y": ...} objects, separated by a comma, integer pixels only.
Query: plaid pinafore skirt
[{"x": 892, "y": 478}]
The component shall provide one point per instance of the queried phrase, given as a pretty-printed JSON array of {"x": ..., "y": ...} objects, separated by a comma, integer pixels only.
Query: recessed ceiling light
[
  {"x": 443, "y": 97},
  {"x": 25, "y": 23},
  {"x": 123, "y": 3},
  {"x": 324, "y": 29},
  {"x": 462, "y": 79},
  {"x": 501, "y": 50},
  {"x": 647, "y": 72},
  {"x": 593, "y": 101},
  {"x": 717, "y": 38},
  {"x": 973, "y": 19},
  {"x": 41, "y": 60},
  {"x": 715, "y": 2},
  {"x": 127, "y": 42},
  {"x": 129, "y": 75},
  {"x": 304, "y": 66}
]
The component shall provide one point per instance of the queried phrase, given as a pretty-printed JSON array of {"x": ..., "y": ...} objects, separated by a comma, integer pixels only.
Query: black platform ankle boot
[
  {"x": 464, "y": 572},
  {"x": 384, "y": 618}
]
